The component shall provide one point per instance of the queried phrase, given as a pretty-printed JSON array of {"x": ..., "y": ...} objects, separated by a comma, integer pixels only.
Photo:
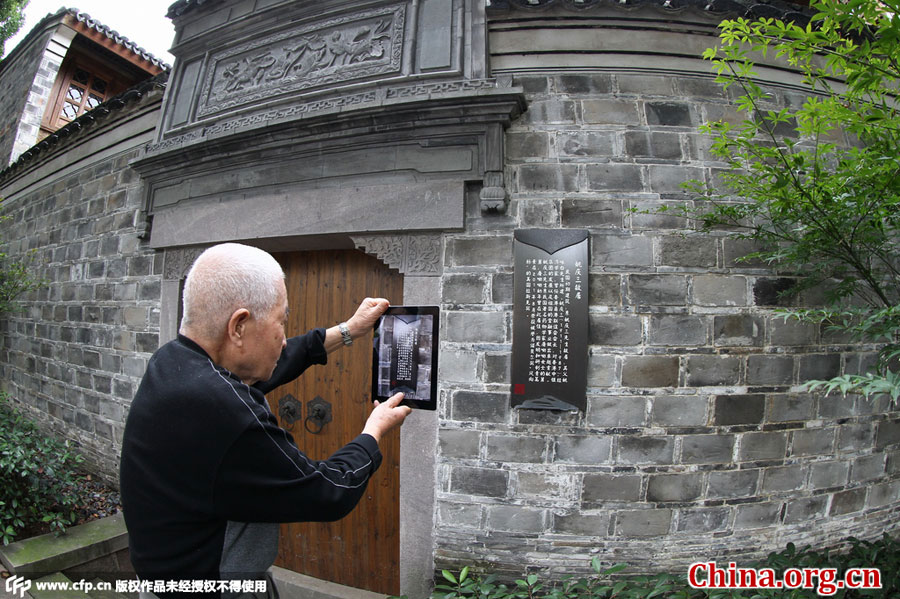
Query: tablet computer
[{"x": 404, "y": 356}]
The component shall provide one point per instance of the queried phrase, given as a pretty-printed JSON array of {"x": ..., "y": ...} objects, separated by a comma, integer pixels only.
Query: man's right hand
[{"x": 386, "y": 417}]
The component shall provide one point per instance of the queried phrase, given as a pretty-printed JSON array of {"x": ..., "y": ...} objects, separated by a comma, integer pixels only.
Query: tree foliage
[
  {"x": 38, "y": 474},
  {"x": 12, "y": 17},
  {"x": 817, "y": 183},
  {"x": 15, "y": 279}
]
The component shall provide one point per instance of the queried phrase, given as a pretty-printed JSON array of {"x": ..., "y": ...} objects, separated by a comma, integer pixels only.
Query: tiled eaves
[
  {"x": 55, "y": 19},
  {"x": 121, "y": 40}
]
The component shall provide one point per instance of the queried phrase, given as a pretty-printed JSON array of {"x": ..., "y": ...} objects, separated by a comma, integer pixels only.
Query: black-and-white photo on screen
[{"x": 405, "y": 355}]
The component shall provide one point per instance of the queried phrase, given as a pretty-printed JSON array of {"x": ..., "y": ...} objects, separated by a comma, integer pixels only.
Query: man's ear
[{"x": 237, "y": 324}]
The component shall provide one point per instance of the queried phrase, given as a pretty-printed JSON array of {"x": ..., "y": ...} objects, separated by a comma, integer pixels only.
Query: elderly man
[{"x": 206, "y": 473}]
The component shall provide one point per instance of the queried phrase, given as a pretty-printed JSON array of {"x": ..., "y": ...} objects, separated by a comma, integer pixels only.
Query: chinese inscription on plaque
[{"x": 550, "y": 319}]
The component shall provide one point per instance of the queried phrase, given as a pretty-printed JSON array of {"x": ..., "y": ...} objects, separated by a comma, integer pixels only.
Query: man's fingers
[
  {"x": 395, "y": 399},
  {"x": 373, "y": 304},
  {"x": 391, "y": 402},
  {"x": 386, "y": 416},
  {"x": 365, "y": 316}
]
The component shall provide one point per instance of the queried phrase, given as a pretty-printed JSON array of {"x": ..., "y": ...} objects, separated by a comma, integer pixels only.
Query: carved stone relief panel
[
  {"x": 414, "y": 255},
  {"x": 178, "y": 262},
  {"x": 334, "y": 51}
]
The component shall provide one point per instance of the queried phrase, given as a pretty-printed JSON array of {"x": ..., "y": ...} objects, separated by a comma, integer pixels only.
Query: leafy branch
[{"x": 817, "y": 186}]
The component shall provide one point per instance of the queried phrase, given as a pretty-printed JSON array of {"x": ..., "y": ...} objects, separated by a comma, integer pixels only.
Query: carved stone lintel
[
  {"x": 178, "y": 262},
  {"x": 418, "y": 255},
  {"x": 493, "y": 194}
]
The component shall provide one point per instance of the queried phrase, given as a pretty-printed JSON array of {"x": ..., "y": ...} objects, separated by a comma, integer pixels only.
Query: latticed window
[
  {"x": 85, "y": 92},
  {"x": 82, "y": 85}
]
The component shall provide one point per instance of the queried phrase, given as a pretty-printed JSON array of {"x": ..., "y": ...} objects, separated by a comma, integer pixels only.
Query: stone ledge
[
  {"x": 292, "y": 585},
  {"x": 79, "y": 545}
]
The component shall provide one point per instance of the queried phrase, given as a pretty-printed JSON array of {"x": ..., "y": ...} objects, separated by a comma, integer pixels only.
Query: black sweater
[{"x": 201, "y": 448}]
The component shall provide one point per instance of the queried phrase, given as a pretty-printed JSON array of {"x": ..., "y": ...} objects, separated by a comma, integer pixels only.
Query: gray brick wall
[
  {"x": 696, "y": 440},
  {"x": 75, "y": 354}
]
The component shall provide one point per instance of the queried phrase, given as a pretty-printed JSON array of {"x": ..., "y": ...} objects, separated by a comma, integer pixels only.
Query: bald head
[{"x": 223, "y": 279}]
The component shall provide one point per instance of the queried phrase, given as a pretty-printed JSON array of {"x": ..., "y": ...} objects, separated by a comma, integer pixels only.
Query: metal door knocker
[
  {"x": 289, "y": 409},
  {"x": 318, "y": 415}
]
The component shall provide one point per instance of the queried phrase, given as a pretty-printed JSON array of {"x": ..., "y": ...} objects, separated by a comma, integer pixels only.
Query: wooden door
[{"x": 363, "y": 549}]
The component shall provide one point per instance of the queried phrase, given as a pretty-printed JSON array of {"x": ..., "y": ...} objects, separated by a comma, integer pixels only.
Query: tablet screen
[{"x": 404, "y": 357}]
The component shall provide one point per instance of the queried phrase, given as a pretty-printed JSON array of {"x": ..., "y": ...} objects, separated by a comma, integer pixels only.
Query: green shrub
[
  {"x": 826, "y": 212},
  {"x": 607, "y": 583},
  {"x": 37, "y": 477}
]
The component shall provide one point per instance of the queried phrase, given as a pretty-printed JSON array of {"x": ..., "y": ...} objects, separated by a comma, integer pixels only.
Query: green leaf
[{"x": 614, "y": 569}]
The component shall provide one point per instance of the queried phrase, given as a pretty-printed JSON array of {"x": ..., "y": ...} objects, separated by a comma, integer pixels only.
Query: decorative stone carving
[
  {"x": 493, "y": 194},
  {"x": 389, "y": 249},
  {"x": 143, "y": 223},
  {"x": 324, "y": 105},
  {"x": 440, "y": 87},
  {"x": 178, "y": 261},
  {"x": 173, "y": 142},
  {"x": 293, "y": 112},
  {"x": 418, "y": 255},
  {"x": 423, "y": 255},
  {"x": 350, "y": 47}
]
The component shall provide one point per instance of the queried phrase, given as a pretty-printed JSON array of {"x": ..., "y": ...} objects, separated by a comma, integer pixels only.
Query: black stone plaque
[{"x": 550, "y": 319}]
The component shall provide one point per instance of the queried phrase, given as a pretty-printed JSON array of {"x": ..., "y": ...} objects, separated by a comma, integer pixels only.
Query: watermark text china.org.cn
[{"x": 825, "y": 581}]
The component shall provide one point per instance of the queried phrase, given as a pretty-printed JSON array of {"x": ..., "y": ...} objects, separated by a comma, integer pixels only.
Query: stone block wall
[
  {"x": 697, "y": 440},
  {"x": 75, "y": 353}
]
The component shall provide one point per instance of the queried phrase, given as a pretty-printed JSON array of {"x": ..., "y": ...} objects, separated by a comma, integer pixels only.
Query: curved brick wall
[{"x": 697, "y": 442}]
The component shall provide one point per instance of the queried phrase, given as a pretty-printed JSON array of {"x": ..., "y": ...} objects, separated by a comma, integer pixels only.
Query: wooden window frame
[{"x": 52, "y": 120}]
